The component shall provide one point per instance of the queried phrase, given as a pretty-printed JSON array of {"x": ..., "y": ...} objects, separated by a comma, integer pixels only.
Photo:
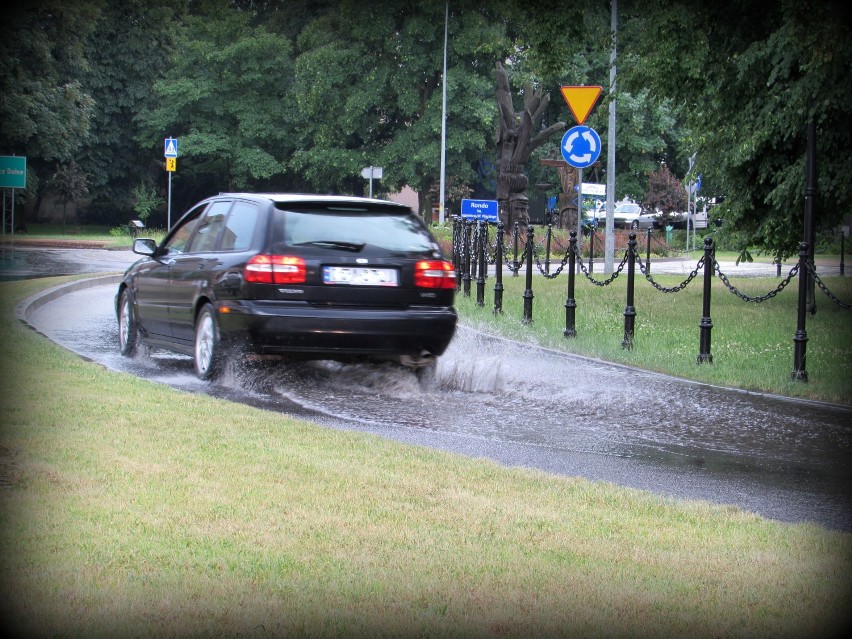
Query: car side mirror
[{"x": 144, "y": 247}]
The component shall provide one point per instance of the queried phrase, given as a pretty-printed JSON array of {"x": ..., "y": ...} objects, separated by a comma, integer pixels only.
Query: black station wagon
[{"x": 299, "y": 276}]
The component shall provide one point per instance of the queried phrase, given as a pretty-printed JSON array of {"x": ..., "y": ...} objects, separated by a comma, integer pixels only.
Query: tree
[
  {"x": 227, "y": 97},
  {"x": 126, "y": 53},
  {"x": 45, "y": 113},
  {"x": 368, "y": 91},
  {"x": 665, "y": 194},
  {"x": 747, "y": 78},
  {"x": 70, "y": 183}
]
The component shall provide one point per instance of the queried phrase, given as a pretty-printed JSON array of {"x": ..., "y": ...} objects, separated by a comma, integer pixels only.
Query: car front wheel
[
  {"x": 208, "y": 345},
  {"x": 128, "y": 332},
  {"x": 635, "y": 225}
]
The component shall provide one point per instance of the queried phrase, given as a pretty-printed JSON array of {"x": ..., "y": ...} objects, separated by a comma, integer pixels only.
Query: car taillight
[
  {"x": 275, "y": 269},
  {"x": 434, "y": 274}
]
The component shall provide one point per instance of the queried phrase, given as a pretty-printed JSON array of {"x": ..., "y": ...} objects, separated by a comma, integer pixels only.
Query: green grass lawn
[{"x": 131, "y": 509}]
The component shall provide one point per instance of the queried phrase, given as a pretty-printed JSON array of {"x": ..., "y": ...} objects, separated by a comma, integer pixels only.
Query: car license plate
[{"x": 359, "y": 276}]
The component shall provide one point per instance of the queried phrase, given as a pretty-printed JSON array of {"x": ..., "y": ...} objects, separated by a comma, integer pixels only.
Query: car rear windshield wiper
[{"x": 355, "y": 247}]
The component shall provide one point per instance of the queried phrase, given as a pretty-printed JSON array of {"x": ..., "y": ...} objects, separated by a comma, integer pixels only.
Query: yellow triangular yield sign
[{"x": 581, "y": 100}]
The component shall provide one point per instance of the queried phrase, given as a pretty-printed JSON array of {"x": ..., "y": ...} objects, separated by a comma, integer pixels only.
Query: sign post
[
  {"x": 581, "y": 146},
  {"x": 371, "y": 172},
  {"x": 13, "y": 175},
  {"x": 171, "y": 153}
]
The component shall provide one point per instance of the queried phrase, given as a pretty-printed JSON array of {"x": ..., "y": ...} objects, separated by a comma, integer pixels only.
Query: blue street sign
[
  {"x": 581, "y": 146},
  {"x": 479, "y": 210},
  {"x": 171, "y": 148}
]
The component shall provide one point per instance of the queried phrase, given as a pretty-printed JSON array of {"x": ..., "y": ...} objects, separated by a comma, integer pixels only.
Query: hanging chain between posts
[
  {"x": 673, "y": 289},
  {"x": 825, "y": 290},
  {"x": 760, "y": 298},
  {"x": 558, "y": 270},
  {"x": 611, "y": 278}
]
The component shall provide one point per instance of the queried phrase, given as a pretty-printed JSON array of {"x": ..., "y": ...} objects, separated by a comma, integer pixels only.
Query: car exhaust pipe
[{"x": 425, "y": 358}]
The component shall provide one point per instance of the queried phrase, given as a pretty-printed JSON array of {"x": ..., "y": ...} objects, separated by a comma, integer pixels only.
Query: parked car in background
[
  {"x": 294, "y": 276},
  {"x": 629, "y": 215}
]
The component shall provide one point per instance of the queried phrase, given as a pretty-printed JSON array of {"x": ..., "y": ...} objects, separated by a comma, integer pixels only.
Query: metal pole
[
  {"x": 810, "y": 207},
  {"x": 609, "y": 231},
  {"x": 579, "y": 201},
  {"x": 466, "y": 249},
  {"x": 630, "y": 310},
  {"x": 800, "y": 339},
  {"x": 528, "y": 294},
  {"x": 169, "y": 214},
  {"x": 515, "y": 262},
  {"x": 570, "y": 303},
  {"x": 444, "y": 120},
  {"x": 648, "y": 251},
  {"x": 706, "y": 323},
  {"x": 480, "y": 279},
  {"x": 592, "y": 251},
  {"x": 842, "y": 242},
  {"x": 547, "y": 249},
  {"x": 498, "y": 272}
]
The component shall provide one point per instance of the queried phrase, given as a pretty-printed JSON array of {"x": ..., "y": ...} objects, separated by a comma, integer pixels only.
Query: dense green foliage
[
  {"x": 748, "y": 77},
  {"x": 302, "y": 95}
]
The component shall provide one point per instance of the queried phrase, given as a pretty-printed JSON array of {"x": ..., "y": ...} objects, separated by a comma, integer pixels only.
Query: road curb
[{"x": 25, "y": 308}]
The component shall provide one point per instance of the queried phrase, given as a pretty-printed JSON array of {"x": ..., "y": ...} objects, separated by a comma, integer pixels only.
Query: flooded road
[{"x": 525, "y": 406}]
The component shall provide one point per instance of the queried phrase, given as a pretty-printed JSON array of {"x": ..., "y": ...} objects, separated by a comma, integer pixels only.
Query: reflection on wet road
[{"x": 526, "y": 406}]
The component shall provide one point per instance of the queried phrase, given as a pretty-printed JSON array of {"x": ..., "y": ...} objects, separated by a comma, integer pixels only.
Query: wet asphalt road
[{"x": 524, "y": 406}]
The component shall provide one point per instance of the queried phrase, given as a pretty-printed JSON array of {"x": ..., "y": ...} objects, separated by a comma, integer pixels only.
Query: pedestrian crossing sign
[{"x": 171, "y": 148}]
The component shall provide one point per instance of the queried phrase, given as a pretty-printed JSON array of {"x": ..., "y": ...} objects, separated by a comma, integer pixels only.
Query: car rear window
[{"x": 389, "y": 229}]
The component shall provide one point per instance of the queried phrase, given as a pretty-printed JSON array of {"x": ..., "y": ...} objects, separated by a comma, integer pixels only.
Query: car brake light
[
  {"x": 434, "y": 274},
  {"x": 275, "y": 269}
]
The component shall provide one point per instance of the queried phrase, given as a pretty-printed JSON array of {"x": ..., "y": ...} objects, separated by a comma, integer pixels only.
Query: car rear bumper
[{"x": 333, "y": 332}]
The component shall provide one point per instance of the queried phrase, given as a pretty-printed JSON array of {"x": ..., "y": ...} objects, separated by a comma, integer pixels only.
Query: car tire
[
  {"x": 128, "y": 331},
  {"x": 634, "y": 225},
  {"x": 208, "y": 355}
]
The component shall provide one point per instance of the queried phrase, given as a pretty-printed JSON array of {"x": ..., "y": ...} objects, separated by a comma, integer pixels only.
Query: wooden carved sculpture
[{"x": 518, "y": 135}]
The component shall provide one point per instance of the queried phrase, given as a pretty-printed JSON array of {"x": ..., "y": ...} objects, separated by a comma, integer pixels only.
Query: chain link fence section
[
  {"x": 825, "y": 290},
  {"x": 761, "y": 298}
]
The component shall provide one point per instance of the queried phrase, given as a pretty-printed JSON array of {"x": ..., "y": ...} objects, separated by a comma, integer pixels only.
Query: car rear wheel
[
  {"x": 128, "y": 332},
  {"x": 208, "y": 344}
]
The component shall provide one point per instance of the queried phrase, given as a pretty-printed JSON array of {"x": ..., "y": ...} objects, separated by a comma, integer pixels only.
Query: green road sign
[{"x": 13, "y": 172}]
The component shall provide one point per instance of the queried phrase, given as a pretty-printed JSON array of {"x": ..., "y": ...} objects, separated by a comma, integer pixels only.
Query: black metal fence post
[
  {"x": 468, "y": 225},
  {"x": 547, "y": 249},
  {"x": 498, "y": 272},
  {"x": 515, "y": 262},
  {"x": 480, "y": 278},
  {"x": 592, "y": 252},
  {"x": 630, "y": 310},
  {"x": 706, "y": 323},
  {"x": 458, "y": 239},
  {"x": 800, "y": 339},
  {"x": 842, "y": 242},
  {"x": 528, "y": 294},
  {"x": 648, "y": 251},
  {"x": 570, "y": 303}
]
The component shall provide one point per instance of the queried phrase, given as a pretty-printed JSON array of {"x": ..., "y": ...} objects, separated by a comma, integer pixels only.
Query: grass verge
[{"x": 129, "y": 509}]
